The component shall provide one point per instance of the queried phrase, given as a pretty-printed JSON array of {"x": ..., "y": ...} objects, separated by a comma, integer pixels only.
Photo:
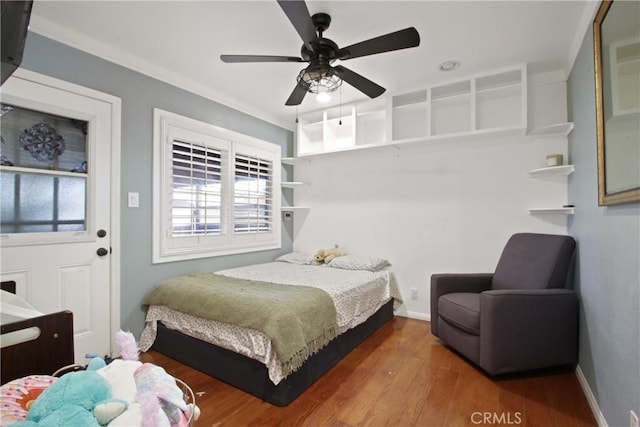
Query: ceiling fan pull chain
[
  {"x": 340, "y": 94},
  {"x": 296, "y": 114}
]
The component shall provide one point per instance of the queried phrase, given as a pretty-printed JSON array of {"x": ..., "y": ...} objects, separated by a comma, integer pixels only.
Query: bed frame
[
  {"x": 51, "y": 350},
  {"x": 252, "y": 376}
]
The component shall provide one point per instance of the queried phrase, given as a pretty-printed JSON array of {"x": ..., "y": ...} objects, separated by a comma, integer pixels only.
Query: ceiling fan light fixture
[
  {"x": 319, "y": 80},
  {"x": 323, "y": 97}
]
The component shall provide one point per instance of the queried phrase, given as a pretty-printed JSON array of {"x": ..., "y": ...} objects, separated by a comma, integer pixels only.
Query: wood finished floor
[{"x": 400, "y": 376}]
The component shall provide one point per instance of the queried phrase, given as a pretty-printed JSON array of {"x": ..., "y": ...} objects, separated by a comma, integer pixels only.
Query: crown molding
[{"x": 107, "y": 52}]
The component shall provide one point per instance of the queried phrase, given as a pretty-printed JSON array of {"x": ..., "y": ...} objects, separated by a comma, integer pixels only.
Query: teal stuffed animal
[{"x": 77, "y": 399}]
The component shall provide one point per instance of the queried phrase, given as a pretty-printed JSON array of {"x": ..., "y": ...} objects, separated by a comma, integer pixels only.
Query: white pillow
[
  {"x": 360, "y": 262},
  {"x": 296, "y": 257}
]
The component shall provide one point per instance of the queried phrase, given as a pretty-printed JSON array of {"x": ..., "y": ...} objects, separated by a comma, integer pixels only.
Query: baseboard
[
  {"x": 415, "y": 315},
  {"x": 593, "y": 403}
]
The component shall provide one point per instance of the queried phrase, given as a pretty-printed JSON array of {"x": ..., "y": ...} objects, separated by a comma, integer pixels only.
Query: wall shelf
[
  {"x": 551, "y": 131},
  {"x": 553, "y": 170},
  {"x": 552, "y": 211},
  {"x": 294, "y": 208},
  {"x": 486, "y": 104},
  {"x": 291, "y": 184}
]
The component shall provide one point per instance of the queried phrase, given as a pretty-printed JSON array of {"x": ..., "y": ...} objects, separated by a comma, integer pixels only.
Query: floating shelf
[
  {"x": 294, "y": 208},
  {"x": 558, "y": 129},
  {"x": 291, "y": 184},
  {"x": 552, "y": 211},
  {"x": 554, "y": 170}
]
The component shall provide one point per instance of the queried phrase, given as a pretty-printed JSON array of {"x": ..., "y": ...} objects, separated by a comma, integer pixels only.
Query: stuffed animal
[
  {"x": 327, "y": 255},
  {"x": 161, "y": 400},
  {"x": 81, "y": 398}
]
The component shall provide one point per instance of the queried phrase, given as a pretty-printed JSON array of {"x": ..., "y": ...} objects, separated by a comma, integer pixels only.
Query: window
[
  {"x": 43, "y": 172},
  {"x": 214, "y": 190}
]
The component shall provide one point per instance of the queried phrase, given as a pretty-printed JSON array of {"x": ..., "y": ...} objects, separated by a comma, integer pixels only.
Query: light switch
[{"x": 134, "y": 199}]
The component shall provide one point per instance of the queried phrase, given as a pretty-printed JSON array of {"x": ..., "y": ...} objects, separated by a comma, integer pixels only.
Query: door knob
[
  {"x": 101, "y": 233},
  {"x": 102, "y": 252}
]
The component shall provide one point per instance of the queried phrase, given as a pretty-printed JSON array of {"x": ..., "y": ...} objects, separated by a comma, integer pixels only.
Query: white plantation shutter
[
  {"x": 214, "y": 190},
  {"x": 196, "y": 198},
  {"x": 253, "y": 190}
]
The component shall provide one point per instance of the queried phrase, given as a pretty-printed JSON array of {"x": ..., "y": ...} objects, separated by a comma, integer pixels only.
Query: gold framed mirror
[{"x": 616, "y": 42}]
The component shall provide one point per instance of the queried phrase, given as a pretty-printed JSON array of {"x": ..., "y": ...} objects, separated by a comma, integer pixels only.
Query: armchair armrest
[
  {"x": 449, "y": 283},
  {"x": 527, "y": 329}
]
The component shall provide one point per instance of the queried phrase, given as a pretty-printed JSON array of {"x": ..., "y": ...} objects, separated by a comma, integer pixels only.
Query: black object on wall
[{"x": 13, "y": 28}]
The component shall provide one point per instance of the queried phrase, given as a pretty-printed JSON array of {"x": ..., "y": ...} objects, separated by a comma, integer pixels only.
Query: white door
[{"x": 56, "y": 209}]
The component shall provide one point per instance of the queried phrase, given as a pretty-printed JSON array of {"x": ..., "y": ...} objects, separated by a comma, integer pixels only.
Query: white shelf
[
  {"x": 558, "y": 129},
  {"x": 291, "y": 184},
  {"x": 294, "y": 208},
  {"x": 554, "y": 170},
  {"x": 552, "y": 211},
  {"x": 487, "y": 104}
]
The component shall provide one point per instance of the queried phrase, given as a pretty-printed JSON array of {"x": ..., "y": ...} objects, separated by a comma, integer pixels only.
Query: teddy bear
[
  {"x": 325, "y": 256},
  {"x": 81, "y": 398}
]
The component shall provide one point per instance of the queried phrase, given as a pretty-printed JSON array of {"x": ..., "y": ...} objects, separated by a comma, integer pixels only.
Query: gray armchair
[{"x": 523, "y": 316}]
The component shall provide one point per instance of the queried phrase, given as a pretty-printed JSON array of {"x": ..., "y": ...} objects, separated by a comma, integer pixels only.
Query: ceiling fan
[{"x": 320, "y": 76}]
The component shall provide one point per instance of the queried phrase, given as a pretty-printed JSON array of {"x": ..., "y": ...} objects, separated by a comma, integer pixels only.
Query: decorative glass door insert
[{"x": 43, "y": 165}]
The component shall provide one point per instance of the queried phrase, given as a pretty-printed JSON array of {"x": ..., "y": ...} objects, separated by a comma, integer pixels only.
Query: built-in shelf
[
  {"x": 294, "y": 185},
  {"x": 551, "y": 131},
  {"x": 552, "y": 211},
  {"x": 492, "y": 103},
  {"x": 553, "y": 170},
  {"x": 291, "y": 184}
]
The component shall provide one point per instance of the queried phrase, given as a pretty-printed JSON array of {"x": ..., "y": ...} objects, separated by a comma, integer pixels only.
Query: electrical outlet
[
  {"x": 414, "y": 293},
  {"x": 633, "y": 420}
]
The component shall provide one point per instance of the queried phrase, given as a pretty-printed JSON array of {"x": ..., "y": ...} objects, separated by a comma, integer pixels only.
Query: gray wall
[
  {"x": 608, "y": 272},
  {"x": 139, "y": 95}
]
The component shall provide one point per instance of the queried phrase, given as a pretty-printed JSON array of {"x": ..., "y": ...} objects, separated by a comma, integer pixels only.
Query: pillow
[
  {"x": 18, "y": 395},
  {"x": 360, "y": 262},
  {"x": 296, "y": 257}
]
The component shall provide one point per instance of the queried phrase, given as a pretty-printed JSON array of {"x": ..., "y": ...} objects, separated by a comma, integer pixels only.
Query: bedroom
[{"x": 472, "y": 194}]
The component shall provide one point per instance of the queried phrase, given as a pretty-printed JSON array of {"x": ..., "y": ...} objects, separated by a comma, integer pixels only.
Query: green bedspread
[{"x": 299, "y": 320}]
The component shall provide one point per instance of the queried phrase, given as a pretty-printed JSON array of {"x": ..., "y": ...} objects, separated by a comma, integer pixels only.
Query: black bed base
[{"x": 252, "y": 376}]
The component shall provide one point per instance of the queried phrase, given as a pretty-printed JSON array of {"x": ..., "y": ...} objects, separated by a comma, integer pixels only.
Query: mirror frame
[{"x": 605, "y": 198}]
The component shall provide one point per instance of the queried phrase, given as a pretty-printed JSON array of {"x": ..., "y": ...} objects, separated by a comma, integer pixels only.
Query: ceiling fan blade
[
  {"x": 363, "y": 84},
  {"x": 402, "y": 39},
  {"x": 259, "y": 58},
  {"x": 296, "y": 96},
  {"x": 299, "y": 16}
]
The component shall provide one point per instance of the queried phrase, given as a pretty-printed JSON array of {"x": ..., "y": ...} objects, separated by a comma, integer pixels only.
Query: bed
[
  {"x": 363, "y": 294},
  {"x": 32, "y": 342}
]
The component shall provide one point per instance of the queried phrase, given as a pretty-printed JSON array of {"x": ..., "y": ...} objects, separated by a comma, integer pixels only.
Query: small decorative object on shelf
[
  {"x": 42, "y": 141},
  {"x": 554, "y": 160},
  {"x": 4, "y": 161},
  {"x": 80, "y": 168}
]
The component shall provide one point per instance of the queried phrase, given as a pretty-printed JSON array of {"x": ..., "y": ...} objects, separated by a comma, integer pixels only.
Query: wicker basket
[{"x": 187, "y": 393}]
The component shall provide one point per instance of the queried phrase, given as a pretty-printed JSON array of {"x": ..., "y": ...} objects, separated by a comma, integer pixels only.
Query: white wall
[{"x": 446, "y": 206}]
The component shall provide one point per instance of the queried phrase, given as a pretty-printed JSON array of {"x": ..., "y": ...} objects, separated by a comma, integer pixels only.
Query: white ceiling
[{"x": 180, "y": 42}]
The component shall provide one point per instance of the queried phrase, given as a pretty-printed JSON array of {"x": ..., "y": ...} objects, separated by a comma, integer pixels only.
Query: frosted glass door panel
[
  {"x": 44, "y": 172},
  {"x": 33, "y": 203}
]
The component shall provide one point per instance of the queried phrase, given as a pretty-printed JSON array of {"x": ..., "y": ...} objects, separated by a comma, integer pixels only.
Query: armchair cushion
[
  {"x": 442, "y": 284},
  {"x": 462, "y": 309},
  {"x": 535, "y": 261}
]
